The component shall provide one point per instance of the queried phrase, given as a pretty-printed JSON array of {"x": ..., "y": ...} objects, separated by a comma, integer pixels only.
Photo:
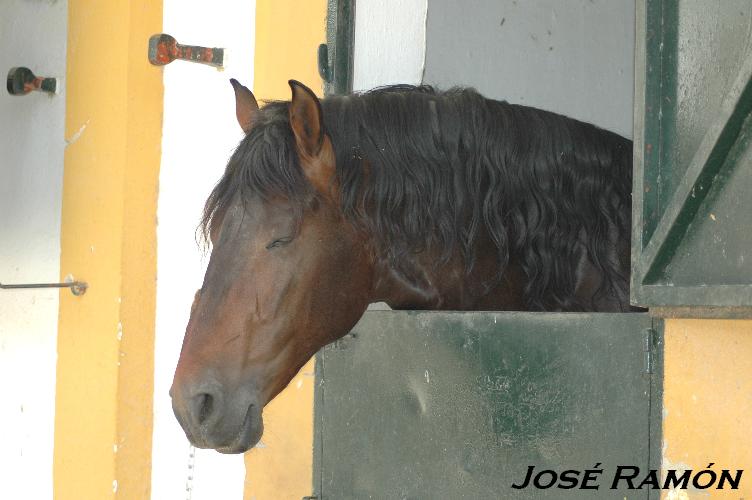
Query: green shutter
[
  {"x": 336, "y": 56},
  {"x": 692, "y": 215}
]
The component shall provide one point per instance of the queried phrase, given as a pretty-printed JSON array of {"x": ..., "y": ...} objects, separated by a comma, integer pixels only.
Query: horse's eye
[{"x": 279, "y": 242}]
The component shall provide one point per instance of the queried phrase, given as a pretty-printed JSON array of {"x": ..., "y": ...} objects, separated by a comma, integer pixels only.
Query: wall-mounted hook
[
  {"x": 163, "y": 49},
  {"x": 76, "y": 287},
  {"x": 21, "y": 81}
]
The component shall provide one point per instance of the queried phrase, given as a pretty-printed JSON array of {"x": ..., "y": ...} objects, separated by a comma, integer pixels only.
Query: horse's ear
[
  {"x": 306, "y": 119},
  {"x": 246, "y": 106},
  {"x": 313, "y": 146}
]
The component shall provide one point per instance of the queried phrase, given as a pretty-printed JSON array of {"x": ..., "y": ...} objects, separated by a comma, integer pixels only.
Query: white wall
[
  {"x": 390, "y": 42},
  {"x": 574, "y": 57},
  {"x": 389, "y": 48},
  {"x": 199, "y": 134},
  {"x": 32, "y": 34}
]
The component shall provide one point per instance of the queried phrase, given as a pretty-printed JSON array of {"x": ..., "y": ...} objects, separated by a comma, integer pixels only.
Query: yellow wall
[
  {"x": 707, "y": 411},
  {"x": 288, "y": 33},
  {"x": 105, "y": 340}
]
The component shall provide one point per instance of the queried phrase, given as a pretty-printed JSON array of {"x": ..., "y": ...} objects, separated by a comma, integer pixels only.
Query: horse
[{"x": 420, "y": 198}]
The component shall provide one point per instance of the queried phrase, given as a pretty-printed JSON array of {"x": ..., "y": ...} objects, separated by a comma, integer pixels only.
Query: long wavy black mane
[{"x": 422, "y": 169}]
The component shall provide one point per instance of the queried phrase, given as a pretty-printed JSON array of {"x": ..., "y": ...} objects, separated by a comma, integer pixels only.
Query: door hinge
[{"x": 648, "y": 345}]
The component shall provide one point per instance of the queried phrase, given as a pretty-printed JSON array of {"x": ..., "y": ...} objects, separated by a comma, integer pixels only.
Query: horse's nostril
[{"x": 205, "y": 406}]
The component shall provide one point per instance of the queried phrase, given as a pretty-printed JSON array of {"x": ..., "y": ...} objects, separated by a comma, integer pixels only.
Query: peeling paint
[
  {"x": 677, "y": 495},
  {"x": 76, "y": 136},
  {"x": 679, "y": 467}
]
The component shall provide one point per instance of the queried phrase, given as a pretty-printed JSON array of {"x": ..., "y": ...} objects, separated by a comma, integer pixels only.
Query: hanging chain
[{"x": 191, "y": 468}]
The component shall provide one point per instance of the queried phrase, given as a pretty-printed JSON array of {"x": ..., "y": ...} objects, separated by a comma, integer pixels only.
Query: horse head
[{"x": 285, "y": 277}]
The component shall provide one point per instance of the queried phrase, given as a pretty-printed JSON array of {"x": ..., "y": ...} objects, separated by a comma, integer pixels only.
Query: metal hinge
[{"x": 648, "y": 344}]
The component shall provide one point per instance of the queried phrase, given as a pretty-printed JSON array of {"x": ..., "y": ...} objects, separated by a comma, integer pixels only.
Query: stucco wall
[
  {"x": 707, "y": 402},
  {"x": 574, "y": 57},
  {"x": 103, "y": 392},
  {"x": 32, "y": 34},
  {"x": 390, "y": 42}
]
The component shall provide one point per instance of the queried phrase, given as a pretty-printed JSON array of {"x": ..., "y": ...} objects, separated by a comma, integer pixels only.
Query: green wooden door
[
  {"x": 692, "y": 238},
  {"x": 458, "y": 405}
]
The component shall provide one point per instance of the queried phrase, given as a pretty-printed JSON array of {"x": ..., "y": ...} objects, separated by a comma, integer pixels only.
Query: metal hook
[{"x": 76, "y": 287}]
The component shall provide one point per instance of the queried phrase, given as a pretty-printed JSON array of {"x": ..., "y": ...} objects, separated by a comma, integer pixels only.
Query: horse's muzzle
[{"x": 212, "y": 417}]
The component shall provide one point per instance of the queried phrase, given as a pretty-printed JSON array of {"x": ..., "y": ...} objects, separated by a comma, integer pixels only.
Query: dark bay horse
[{"x": 418, "y": 198}]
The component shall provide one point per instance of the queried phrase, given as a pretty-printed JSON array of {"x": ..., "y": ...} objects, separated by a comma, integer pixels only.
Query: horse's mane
[{"x": 422, "y": 169}]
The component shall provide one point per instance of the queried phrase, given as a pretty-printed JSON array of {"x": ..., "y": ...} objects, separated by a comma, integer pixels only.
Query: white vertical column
[
  {"x": 199, "y": 134},
  {"x": 32, "y": 144},
  {"x": 390, "y": 42}
]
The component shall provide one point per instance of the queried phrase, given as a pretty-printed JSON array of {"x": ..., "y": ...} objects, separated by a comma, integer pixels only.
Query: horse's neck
[{"x": 419, "y": 283}]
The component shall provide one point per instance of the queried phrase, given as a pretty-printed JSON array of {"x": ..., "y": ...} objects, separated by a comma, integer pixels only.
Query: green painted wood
[
  {"x": 340, "y": 26},
  {"x": 457, "y": 405},
  {"x": 692, "y": 236}
]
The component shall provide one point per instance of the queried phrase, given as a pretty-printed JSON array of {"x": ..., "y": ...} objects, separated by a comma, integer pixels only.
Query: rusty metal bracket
[
  {"x": 163, "y": 49},
  {"x": 76, "y": 287},
  {"x": 22, "y": 80}
]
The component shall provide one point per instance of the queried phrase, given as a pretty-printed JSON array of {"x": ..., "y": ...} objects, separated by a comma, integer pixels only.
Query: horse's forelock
[{"x": 264, "y": 165}]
